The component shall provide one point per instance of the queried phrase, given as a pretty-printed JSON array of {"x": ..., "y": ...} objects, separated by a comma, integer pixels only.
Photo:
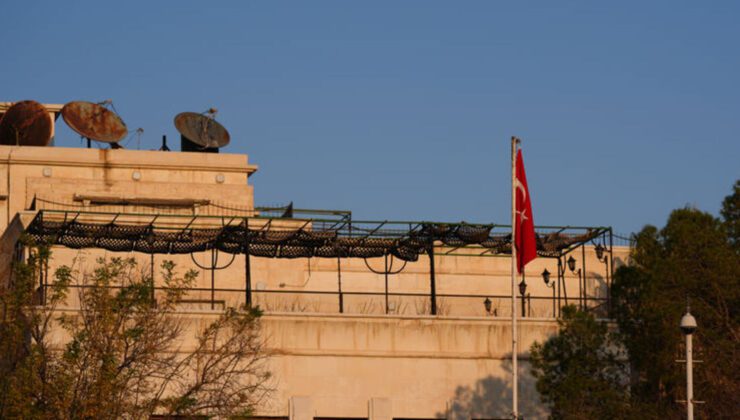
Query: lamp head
[
  {"x": 572, "y": 263},
  {"x": 487, "y": 305},
  {"x": 688, "y": 324},
  {"x": 523, "y": 287},
  {"x": 599, "y": 251},
  {"x": 546, "y": 277}
]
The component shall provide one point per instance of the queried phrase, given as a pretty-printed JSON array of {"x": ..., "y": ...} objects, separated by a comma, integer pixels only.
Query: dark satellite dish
[
  {"x": 26, "y": 123},
  {"x": 201, "y": 132},
  {"x": 94, "y": 122}
]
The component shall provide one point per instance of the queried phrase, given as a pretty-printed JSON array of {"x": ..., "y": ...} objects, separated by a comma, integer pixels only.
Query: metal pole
[
  {"x": 46, "y": 277},
  {"x": 689, "y": 378},
  {"x": 42, "y": 286},
  {"x": 213, "y": 278},
  {"x": 583, "y": 266},
  {"x": 560, "y": 267},
  {"x": 432, "y": 280},
  {"x": 339, "y": 281},
  {"x": 553, "y": 302},
  {"x": 524, "y": 301},
  {"x": 248, "y": 278},
  {"x": 514, "y": 347},
  {"x": 524, "y": 306},
  {"x": 611, "y": 264},
  {"x": 151, "y": 269},
  {"x": 247, "y": 267},
  {"x": 608, "y": 289},
  {"x": 565, "y": 290},
  {"x": 386, "y": 283}
]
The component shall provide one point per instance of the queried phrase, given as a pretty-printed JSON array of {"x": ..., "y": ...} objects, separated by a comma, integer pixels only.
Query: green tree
[
  {"x": 580, "y": 371},
  {"x": 731, "y": 215},
  {"x": 694, "y": 256},
  {"x": 123, "y": 356}
]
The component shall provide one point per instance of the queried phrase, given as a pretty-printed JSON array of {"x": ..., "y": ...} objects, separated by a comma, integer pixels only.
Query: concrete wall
[
  {"x": 346, "y": 366},
  {"x": 424, "y": 367}
]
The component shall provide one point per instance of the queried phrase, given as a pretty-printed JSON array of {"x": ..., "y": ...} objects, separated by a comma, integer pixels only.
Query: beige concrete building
[{"x": 380, "y": 335}]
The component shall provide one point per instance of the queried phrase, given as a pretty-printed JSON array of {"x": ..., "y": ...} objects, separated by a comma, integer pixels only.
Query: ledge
[{"x": 124, "y": 158}]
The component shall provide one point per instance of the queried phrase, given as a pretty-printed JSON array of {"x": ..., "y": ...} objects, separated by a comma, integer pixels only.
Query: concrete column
[
  {"x": 379, "y": 409},
  {"x": 301, "y": 408}
]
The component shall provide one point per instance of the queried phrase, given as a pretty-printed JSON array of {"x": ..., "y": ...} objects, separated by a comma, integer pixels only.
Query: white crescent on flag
[{"x": 518, "y": 184}]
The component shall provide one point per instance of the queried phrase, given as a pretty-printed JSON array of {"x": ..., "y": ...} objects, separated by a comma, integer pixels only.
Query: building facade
[{"x": 369, "y": 331}]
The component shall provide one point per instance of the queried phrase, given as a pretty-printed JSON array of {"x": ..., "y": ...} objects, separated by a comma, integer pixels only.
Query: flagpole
[{"x": 514, "y": 347}]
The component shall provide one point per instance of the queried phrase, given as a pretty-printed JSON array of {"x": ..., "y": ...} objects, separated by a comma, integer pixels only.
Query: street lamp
[
  {"x": 487, "y": 305},
  {"x": 523, "y": 291},
  {"x": 688, "y": 327},
  {"x": 546, "y": 279}
]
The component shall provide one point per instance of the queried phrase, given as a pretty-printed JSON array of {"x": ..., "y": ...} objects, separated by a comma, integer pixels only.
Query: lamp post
[
  {"x": 572, "y": 267},
  {"x": 523, "y": 291},
  {"x": 688, "y": 326},
  {"x": 546, "y": 279}
]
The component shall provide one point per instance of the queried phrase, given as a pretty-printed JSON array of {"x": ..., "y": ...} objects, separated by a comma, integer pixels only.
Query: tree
[
  {"x": 123, "y": 355},
  {"x": 694, "y": 256},
  {"x": 580, "y": 371},
  {"x": 731, "y": 215}
]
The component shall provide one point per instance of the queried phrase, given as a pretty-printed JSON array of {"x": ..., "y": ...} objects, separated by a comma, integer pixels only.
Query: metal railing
[{"x": 364, "y": 302}]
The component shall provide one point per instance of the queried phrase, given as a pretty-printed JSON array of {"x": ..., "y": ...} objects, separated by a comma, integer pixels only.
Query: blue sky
[{"x": 404, "y": 110}]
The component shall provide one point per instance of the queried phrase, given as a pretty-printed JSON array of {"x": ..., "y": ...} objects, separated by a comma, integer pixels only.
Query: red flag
[{"x": 525, "y": 241}]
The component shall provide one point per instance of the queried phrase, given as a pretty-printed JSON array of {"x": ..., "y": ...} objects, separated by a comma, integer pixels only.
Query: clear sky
[{"x": 404, "y": 109}]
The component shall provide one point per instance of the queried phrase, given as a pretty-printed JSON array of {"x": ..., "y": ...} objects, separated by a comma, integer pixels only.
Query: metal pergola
[{"x": 294, "y": 233}]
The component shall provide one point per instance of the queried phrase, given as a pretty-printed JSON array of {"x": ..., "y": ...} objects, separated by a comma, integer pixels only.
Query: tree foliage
[
  {"x": 693, "y": 257},
  {"x": 580, "y": 371},
  {"x": 123, "y": 352},
  {"x": 731, "y": 215}
]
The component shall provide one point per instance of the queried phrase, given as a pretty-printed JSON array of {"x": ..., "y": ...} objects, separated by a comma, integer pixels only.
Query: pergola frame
[{"x": 317, "y": 233}]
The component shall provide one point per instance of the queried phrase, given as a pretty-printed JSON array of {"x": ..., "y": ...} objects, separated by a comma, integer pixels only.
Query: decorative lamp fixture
[
  {"x": 523, "y": 287},
  {"x": 487, "y": 304},
  {"x": 546, "y": 277},
  {"x": 599, "y": 251},
  {"x": 572, "y": 263}
]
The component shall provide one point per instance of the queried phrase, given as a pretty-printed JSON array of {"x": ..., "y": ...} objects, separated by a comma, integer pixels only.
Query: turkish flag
[{"x": 525, "y": 241}]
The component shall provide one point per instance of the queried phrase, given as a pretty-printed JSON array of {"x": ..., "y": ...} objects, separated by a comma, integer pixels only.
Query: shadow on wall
[{"x": 490, "y": 398}]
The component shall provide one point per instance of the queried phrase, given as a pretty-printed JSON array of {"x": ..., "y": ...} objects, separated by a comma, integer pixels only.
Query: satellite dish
[
  {"x": 26, "y": 123},
  {"x": 94, "y": 122},
  {"x": 202, "y": 130}
]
